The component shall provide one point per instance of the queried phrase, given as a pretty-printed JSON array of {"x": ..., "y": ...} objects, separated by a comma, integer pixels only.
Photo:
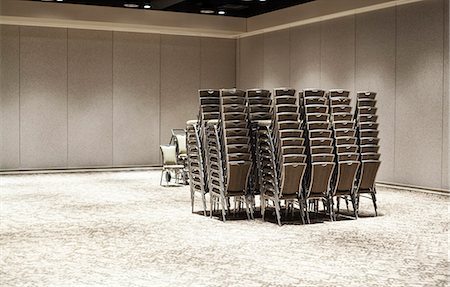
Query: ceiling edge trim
[
  {"x": 110, "y": 26},
  {"x": 105, "y": 26},
  {"x": 329, "y": 17}
]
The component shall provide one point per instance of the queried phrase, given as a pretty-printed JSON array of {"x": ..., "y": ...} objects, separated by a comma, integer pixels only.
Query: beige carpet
[{"x": 122, "y": 229}]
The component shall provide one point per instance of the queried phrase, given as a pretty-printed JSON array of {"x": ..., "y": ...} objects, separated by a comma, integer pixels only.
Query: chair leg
[
  {"x": 250, "y": 202},
  {"x": 346, "y": 203},
  {"x": 192, "y": 199},
  {"x": 263, "y": 207},
  {"x": 162, "y": 174},
  {"x": 211, "y": 209},
  {"x": 374, "y": 200},
  {"x": 308, "y": 220},
  {"x": 330, "y": 208},
  {"x": 358, "y": 197},
  {"x": 204, "y": 203},
  {"x": 224, "y": 207},
  {"x": 355, "y": 212},
  {"x": 277, "y": 210},
  {"x": 338, "y": 200},
  {"x": 247, "y": 209},
  {"x": 286, "y": 208},
  {"x": 302, "y": 208}
]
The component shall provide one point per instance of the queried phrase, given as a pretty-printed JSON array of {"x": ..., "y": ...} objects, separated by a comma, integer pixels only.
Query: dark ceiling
[{"x": 236, "y": 8}]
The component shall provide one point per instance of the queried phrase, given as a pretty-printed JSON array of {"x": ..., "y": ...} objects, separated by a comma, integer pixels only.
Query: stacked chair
[
  {"x": 368, "y": 143},
  {"x": 281, "y": 156},
  {"x": 259, "y": 108},
  {"x": 229, "y": 155},
  {"x": 195, "y": 163},
  {"x": 319, "y": 149},
  {"x": 209, "y": 113},
  {"x": 295, "y": 152},
  {"x": 345, "y": 148}
]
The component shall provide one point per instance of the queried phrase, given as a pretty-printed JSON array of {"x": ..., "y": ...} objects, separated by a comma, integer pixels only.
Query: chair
[
  {"x": 366, "y": 181},
  {"x": 368, "y": 143},
  {"x": 281, "y": 156},
  {"x": 195, "y": 164},
  {"x": 315, "y": 111},
  {"x": 170, "y": 165},
  {"x": 230, "y": 160},
  {"x": 346, "y": 159}
]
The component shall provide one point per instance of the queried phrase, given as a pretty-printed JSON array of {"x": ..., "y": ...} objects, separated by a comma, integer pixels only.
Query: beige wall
[
  {"x": 89, "y": 98},
  {"x": 398, "y": 52},
  {"x": 75, "y": 98}
]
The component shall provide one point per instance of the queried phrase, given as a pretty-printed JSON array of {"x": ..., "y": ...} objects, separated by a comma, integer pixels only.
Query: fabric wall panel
[
  {"x": 375, "y": 71},
  {"x": 43, "y": 97},
  {"x": 419, "y": 85},
  {"x": 251, "y": 64},
  {"x": 276, "y": 59},
  {"x": 89, "y": 98},
  {"x": 9, "y": 97},
  {"x": 180, "y": 81},
  {"x": 218, "y": 63},
  {"x": 136, "y": 100},
  {"x": 338, "y": 54},
  {"x": 305, "y": 57}
]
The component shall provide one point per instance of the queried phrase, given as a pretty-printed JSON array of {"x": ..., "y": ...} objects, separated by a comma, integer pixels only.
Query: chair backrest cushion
[{"x": 169, "y": 154}]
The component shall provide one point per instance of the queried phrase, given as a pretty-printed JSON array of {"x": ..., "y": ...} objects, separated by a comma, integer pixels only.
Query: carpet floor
[{"x": 123, "y": 229}]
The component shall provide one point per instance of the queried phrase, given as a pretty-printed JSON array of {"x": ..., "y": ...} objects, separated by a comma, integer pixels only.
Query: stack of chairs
[
  {"x": 195, "y": 163},
  {"x": 230, "y": 159},
  {"x": 368, "y": 142},
  {"x": 319, "y": 149},
  {"x": 286, "y": 162},
  {"x": 345, "y": 148},
  {"x": 259, "y": 107},
  {"x": 209, "y": 112}
]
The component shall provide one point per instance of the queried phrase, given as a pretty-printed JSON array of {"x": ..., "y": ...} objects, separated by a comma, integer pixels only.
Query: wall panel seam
[
  {"x": 443, "y": 91},
  {"x": 67, "y": 97},
  {"x": 112, "y": 98},
  {"x": 354, "y": 55},
  {"x": 289, "y": 57},
  {"x": 394, "y": 176},
  {"x": 160, "y": 89},
  {"x": 320, "y": 54},
  {"x": 20, "y": 109}
]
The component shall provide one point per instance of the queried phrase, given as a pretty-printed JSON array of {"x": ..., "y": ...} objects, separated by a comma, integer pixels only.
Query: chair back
[
  {"x": 346, "y": 176},
  {"x": 181, "y": 144},
  {"x": 291, "y": 178},
  {"x": 368, "y": 174},
  {"x": 169, "y": 154},
  {"x": 320, "y": 178},
  {"x": 238, "y": 172}
]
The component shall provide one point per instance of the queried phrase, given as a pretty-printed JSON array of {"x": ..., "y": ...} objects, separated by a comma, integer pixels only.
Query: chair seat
[{"x": 173, "y": 166}]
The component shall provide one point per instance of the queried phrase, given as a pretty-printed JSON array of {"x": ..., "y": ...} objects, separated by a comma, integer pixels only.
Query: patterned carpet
[{"x": 122, "y": 229}]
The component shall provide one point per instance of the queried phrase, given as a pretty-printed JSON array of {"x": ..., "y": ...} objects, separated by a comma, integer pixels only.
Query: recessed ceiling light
[
  {"x": 131, "y": 5},
  {"x": 262, "y": 0},
  {"x": 207, "y": 11},
  {"x": 221, "y": 12},
  {"x": 59, "y": 0},
  {"x": 147, "y": 6}
]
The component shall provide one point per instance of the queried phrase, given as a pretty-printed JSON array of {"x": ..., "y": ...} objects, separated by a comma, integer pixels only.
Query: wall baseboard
[
  {"x": 82, "y": 169},
  {"x": 414, "y": 188},
  {"x": 158, "y": 167}
]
